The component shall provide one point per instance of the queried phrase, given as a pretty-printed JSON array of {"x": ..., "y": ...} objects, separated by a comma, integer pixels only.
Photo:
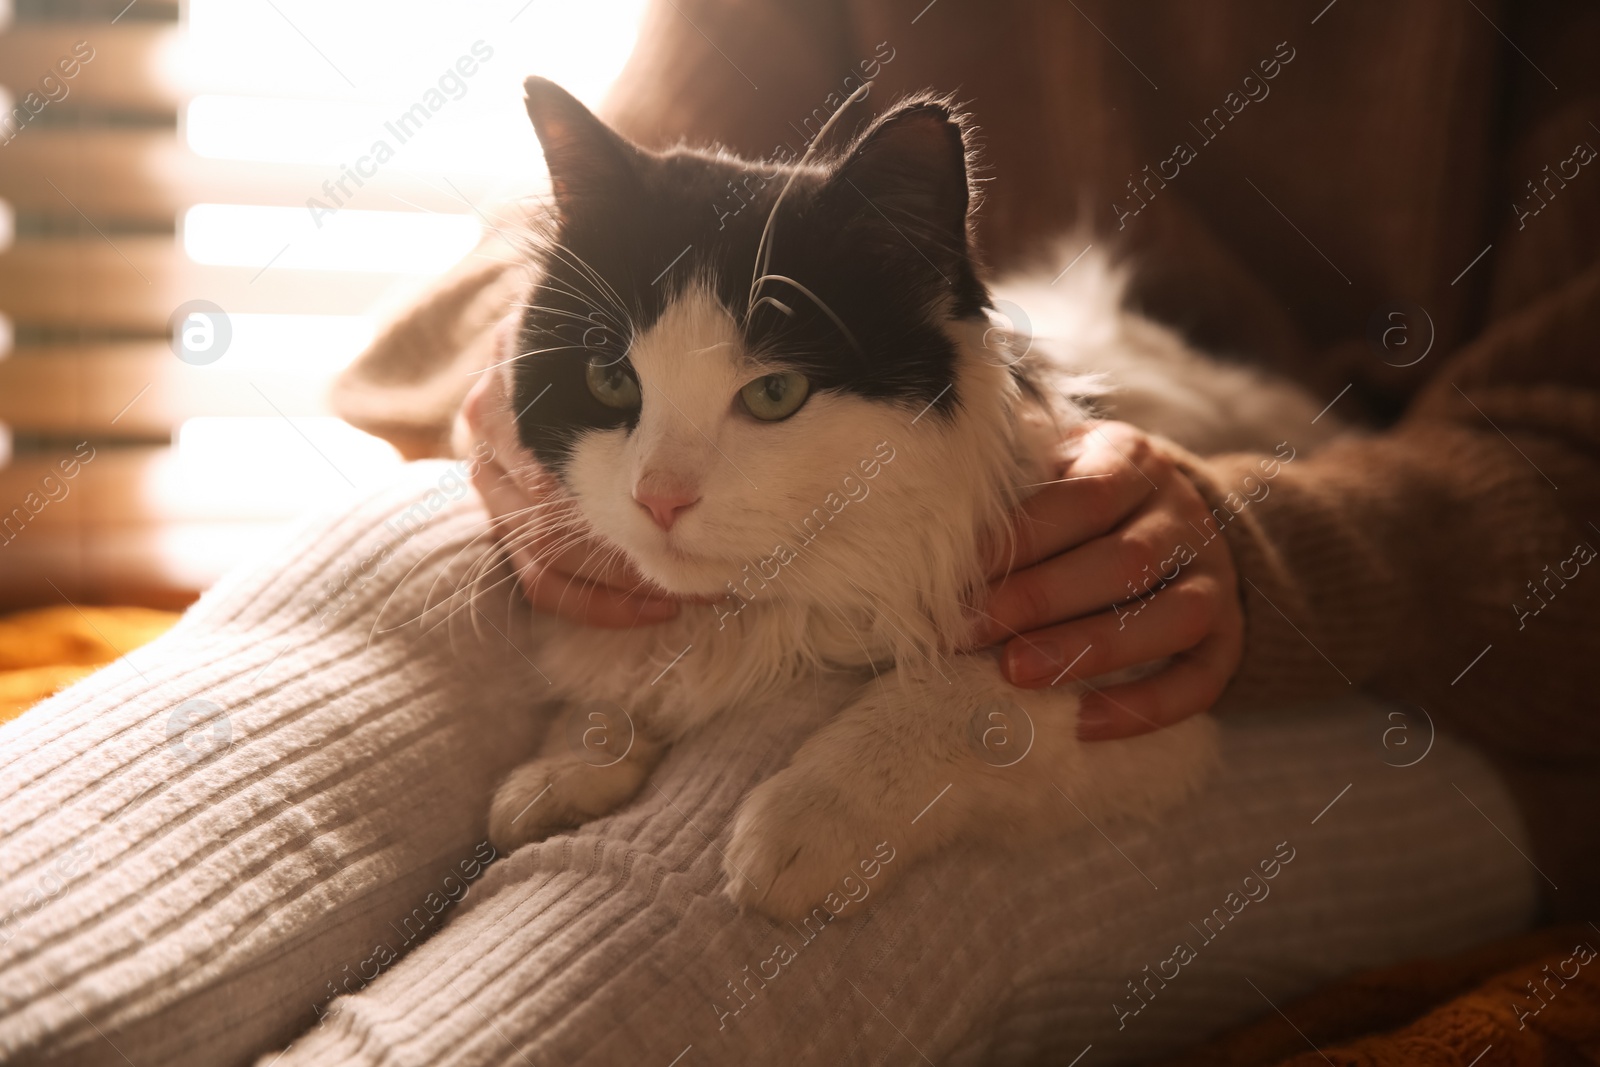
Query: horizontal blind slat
[
  {"x": 127, "y": 71},
  {"x": 148, "y": 176},
  {"x": 140, "y": 389},
  {"x": 110, "y": 537},
  {"x": 133, "y": 283}
]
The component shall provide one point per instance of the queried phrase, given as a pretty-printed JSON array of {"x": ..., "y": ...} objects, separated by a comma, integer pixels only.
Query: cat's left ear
[
  {"x": 586, "y": 158},
  {"x": 910, "y": 170}
]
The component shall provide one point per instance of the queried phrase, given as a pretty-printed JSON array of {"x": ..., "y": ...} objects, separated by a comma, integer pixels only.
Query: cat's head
[{"x": 715, "y": 352}]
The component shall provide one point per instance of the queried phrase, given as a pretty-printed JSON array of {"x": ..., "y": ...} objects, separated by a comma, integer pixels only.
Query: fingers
[
  {"x": 1124, "y": 528},
  {"x": 1125, "y": 564},
  {"x": 1111, "y": 471},
  {"x": 1189, "y": 686},
  {"x": 570, "y": 584},
  {"x": 1172, "y": 620},
  {"x": 487, "y": 412},
  {"x": 580, "y": 582},
  {"x": 570, "y": 597}
]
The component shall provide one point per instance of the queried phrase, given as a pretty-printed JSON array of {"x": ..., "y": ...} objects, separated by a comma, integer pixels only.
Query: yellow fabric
[{"x": 43, "y": 651}]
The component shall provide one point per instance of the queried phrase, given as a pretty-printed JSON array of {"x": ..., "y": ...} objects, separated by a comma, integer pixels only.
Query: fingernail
[
  {"x": 1095, "y": 721},
  {"x": 1027, "y": 664}
]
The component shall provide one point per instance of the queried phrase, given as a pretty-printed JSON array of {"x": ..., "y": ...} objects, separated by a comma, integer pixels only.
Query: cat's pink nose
[{"x": 664, "y": 504}]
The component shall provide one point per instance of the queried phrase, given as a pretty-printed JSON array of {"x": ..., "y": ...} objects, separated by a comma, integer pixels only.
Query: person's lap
[
  {"x": 613, "y": 945},
  {"x": 231, "y": 895}
]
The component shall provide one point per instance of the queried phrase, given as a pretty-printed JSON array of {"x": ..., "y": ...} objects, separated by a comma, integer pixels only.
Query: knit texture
[
  {"x": 1529, "y": 999},
  {"x": 186, "y": 883}
]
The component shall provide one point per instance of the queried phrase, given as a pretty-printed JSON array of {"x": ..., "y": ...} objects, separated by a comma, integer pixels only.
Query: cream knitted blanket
[{"x": 284, "y": 799}]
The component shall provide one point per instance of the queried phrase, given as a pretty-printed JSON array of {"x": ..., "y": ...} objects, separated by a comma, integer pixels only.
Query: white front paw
[
  {"x": 557, "y": 792},
  {"x": 522, "y": 809},
  {"x": 794, "y": 837}
]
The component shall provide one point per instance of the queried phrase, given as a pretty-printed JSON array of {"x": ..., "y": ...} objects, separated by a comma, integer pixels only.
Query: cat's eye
[
  {"x": 613, "y": 385},
  {"x": 775, "y": 396}
]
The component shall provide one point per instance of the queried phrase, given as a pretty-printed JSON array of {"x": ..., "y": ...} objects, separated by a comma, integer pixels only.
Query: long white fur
[{"x": 883, "y": 588}]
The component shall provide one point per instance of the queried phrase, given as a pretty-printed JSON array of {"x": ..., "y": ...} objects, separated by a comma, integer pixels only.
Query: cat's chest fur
[{"x": 677, "y": 675}]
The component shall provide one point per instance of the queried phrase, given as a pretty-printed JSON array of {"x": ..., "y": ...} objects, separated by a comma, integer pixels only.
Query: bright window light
[
  {"x": 280, "y": 130},
  {"x": 247, "y": 235},
  {"x": 338, "y": 134},
  {"x": 316, "y": 346},
  {"x": 194, "y": 555},
  {"x": 305, "y": 81},
  {"x": 308, "y": 90},
  {"x": 273, "y": 467}
]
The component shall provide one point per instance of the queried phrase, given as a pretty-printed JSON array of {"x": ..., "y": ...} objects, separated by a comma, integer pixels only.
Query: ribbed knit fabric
[{"x": 172, "y": 898}]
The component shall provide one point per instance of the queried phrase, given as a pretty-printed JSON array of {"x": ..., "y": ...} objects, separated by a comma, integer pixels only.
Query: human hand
[
  {"x": 562, "y": 572},
  {"x": 1112, "y": 569}
]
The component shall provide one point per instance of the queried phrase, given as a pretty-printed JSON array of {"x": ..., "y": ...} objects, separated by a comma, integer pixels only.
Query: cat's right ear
[
  {"x": 909, "y": 170},
  {"x": 586, "y": 158}
]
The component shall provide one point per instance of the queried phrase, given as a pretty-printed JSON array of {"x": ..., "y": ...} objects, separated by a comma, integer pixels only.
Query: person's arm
[
  {"x": 1440, "y": 562},
  {"x": 1393, "y": 562},
  {"x": 1444, "y": 562}
]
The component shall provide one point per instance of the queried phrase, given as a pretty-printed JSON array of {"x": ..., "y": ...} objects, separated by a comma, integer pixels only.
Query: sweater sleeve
[
  {"x": 1450, "y": 562},
  {"x": 1447, "y": 561}
]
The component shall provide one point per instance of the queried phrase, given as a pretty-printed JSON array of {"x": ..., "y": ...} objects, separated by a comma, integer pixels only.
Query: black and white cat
[{"x": 803, "y": 416}]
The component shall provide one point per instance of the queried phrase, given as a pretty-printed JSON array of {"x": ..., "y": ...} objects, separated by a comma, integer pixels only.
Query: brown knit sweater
[{"x": 1284, "y": 176}]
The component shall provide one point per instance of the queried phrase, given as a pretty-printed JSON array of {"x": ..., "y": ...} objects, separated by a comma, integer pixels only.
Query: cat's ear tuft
[
  {"x": 585, "y": 157},
  {"x": 911, "y": 166}
]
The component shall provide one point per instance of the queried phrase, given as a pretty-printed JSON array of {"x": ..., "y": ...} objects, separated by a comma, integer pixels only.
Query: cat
[{"x": 807, "y": 419}]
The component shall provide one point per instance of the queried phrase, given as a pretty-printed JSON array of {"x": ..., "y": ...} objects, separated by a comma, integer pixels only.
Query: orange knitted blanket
[
  {"x": 46, "y": 650},
  {"x": 1528, "y": 1001}
]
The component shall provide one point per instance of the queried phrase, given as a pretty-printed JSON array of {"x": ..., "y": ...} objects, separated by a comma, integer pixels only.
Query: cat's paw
[
  {"x": 794, "y": 839},
  {"x": 556, "y": 793}
]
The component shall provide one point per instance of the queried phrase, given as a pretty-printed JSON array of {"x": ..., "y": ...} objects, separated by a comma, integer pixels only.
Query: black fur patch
[{"x": 879, "y": 236}]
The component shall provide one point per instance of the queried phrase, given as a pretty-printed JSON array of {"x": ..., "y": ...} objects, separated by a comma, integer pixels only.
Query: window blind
[{"x": 213, "y": 170}]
